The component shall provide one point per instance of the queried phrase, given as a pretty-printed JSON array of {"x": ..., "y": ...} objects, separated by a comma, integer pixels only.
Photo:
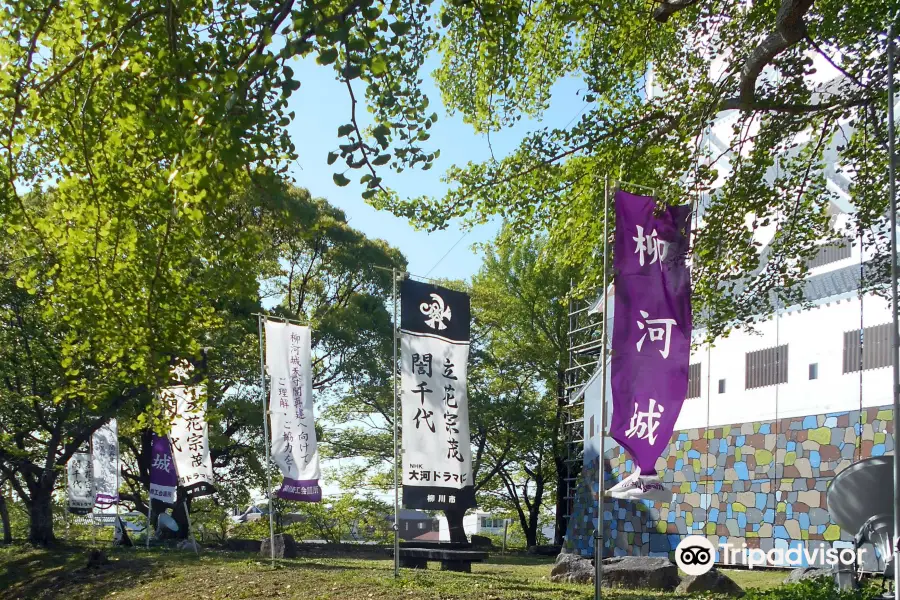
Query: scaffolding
[{"x": 585, "y": 345}]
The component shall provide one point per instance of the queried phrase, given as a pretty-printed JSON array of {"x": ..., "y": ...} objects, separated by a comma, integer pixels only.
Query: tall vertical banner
[
  {"x": 651, "y": 343},
  {"x": 294, "y": 446},
  {"x": 163, "y": 479},
  {"x": 189, "y": 439},
  {"x": 105, "y": 455},
  {"x": 80, "y": 484},
  {"x": 434, "y": 355}
]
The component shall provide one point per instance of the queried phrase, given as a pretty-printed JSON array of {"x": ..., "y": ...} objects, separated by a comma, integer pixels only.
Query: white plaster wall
[{"x": 813, "y": 336}]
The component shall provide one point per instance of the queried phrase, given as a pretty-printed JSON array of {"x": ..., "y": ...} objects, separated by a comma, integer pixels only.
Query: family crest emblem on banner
[{"x": 436, "y": 312}]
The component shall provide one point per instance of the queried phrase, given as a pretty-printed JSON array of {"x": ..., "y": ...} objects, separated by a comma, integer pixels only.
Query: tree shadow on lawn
[{"x": 53, "y": 575}]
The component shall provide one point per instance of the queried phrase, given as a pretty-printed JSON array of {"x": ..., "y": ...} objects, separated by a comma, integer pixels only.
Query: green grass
[{"x": 157, "y": 574}]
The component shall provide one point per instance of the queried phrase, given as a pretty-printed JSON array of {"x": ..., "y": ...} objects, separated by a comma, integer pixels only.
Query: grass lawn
[{"x": 155, "y": 574}]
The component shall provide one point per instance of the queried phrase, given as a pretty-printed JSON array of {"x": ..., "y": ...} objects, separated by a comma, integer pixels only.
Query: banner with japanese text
[
  {"x": 651, "y": 342},
  {"x": 80, "y": 484},
  {"x": 163, "y": 479},
  {"x": 189, "y": 439},
  {"x": 105, "y": 455},
  {"x": 434, "y": 355},
  {"x": 294, "y": 446}
]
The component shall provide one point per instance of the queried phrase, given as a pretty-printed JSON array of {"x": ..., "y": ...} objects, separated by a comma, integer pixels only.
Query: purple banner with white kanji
[
  {"x": 651, "y": 344},
  {"x": 163, "y": 479}
]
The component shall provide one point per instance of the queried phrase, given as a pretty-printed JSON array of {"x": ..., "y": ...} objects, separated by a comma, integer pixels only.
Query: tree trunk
[
  {"x": 531, "y": 532},
  {"x": 455, "y": 524},
  {"x": 180, "y": 514},
  {"x": 41, "y": 513},
  {"x": 4, "y": 519},
  {"x": 560, "y": 454},
  {"x": 562, "y": 522}
]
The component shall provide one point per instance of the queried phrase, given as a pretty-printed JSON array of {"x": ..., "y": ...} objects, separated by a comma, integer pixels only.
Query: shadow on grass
[{"x": 57, "y": 573}]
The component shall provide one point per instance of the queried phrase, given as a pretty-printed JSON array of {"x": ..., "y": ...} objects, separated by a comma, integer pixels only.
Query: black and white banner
[
  {"x": 434, "y": 350},
  {"x": 80, "y": 484},
  {"x": 105, "y": 453},
  {"x": 294, "y": 445},
  {"x": 189, "y": 437}
]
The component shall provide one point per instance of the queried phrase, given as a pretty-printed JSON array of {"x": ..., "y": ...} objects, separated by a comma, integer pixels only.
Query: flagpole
[
  {"x": 187, "y": 516},
  {"x": 601, "y": 484},
  {"x": 118, "y": 467},
  {"x": 262, "y": 383},
  {"x": 394, "y": 380},
  {"x": 149, "y": 514},
  {"x": 895, "y": 328}
]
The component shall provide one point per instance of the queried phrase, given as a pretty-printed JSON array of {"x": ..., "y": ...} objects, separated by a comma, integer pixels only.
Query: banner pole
[
  {"x": 187, "y": 516},
  {"x": 149, "y": 517},
  {"x": 394, "y": 380},
  {"x": 262, "y": 384},
  {"x": 118, "y": 467},
  {"x": 601, "y": 483},
  {"x": 895, "y": 328}
]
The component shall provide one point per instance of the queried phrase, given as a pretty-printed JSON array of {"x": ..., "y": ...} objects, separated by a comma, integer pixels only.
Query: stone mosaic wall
[{"x": 762, "y": 484}]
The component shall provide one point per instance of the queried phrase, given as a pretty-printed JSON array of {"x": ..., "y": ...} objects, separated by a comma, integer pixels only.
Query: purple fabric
[
  {"x": 300, "y": 490},
  {"x": 651, "y": 344},
  {"x": 163, "y": 478}
]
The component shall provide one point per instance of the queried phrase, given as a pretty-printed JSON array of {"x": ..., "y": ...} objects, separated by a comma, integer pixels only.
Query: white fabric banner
[
  {"x": 294, "y": 445},
  {"x": 79, "y": 484},
  {"x": 434, "y": 355},
  {"x": 437, "y": 457},
  {"x": 105, "y": 453},
  {"x": 190, "y": 440}
]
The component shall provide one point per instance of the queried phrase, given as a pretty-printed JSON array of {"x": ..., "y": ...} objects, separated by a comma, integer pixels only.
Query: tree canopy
[
  {"x": 129, "y": 138},
  {"x": 802, "y": 84}
]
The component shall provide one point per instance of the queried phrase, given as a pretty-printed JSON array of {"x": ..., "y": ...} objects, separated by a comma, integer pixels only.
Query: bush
[{"x": 812, "y": 589}]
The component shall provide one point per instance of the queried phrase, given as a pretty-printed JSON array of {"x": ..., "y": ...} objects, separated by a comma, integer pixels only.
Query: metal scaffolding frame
[{"x": 584, "y": 343}]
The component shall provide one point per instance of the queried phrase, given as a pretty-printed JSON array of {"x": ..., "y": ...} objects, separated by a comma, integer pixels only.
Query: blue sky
[{"x": 322, "y": 105}]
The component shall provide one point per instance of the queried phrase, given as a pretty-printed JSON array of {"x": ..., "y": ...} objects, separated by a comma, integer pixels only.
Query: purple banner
[
  {"x": 651, "y": 344},
  {"x": 300, "y": 490},
  {"x": 163, "y": 479}
]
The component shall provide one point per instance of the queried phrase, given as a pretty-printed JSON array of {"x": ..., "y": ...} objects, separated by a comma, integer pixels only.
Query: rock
[
  {"x": 640, "y": 573},
  {"x": 712, "y": 581},
  {"x": 481, "y": 542},
  {"x": 545, "y": 550},
  {"x": 571, "y": 568},
  {"x": 97, "y": 558},
  {"x": 805, "y": 573},
  {"x": 190, "y": 545},
  {"x": 285, "y": 547},
  {"x": 242, "y": 545}
]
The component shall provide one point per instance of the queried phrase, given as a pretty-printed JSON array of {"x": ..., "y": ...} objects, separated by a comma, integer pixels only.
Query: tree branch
[{"x": 790, "y": 28}]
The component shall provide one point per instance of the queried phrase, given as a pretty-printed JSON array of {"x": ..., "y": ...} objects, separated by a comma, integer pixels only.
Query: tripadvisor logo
[{"x": 695, "y": 555}]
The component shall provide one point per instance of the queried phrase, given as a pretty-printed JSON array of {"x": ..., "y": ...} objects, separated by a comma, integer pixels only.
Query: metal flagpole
[
  {"x": 262, "y": 384},
  {"x": 394, "y": 379},
  {"x": 598, "y": 533},
  {"x": 187, "y": 516},
  {"x": 895, "y": 332},
  {"x": 149, "y": 518},
  {"x": 117, "y": 483}
]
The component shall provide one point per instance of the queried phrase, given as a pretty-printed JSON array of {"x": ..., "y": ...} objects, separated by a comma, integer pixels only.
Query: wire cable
[{"x": 446, "y": 254}]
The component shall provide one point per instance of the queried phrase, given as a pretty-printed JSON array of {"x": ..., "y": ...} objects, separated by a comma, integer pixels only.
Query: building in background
[
  {"x": 417, "y": 525},
  {"x": 771, "y": 416},
  {"x": 484, "y": 523}
]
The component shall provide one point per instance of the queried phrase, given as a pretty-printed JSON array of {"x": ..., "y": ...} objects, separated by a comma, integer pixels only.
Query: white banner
[
  {"x": 434, "y": 348},
  {"x": 79, "y": 484},
  {"x": 436, "y": 449},
  {"x": 189, "y": 439},
  {"x": 294, "y": 445},
  {"x": 105, "y": 453}
]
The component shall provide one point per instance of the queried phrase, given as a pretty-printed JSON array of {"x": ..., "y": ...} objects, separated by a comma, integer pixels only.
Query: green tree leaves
[{"x": 655, "y": 76}]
